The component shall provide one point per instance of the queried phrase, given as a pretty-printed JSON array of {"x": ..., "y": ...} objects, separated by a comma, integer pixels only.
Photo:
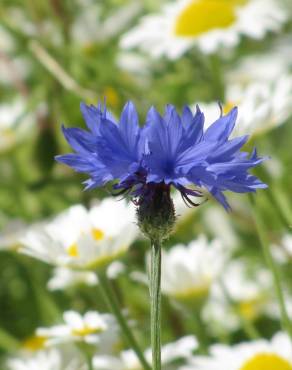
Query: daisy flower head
[
  {"x": 66, "y": 278},
  {"x": 274, "y": 354},
  {"x": 83, "y": 239},
  {"x": 169, "y": 150},
  {"x": 91, "y": 328},
  {"x": 188, "y": 272},
  {"x": 50, "y": 359},
  {"x": 240, "y": 292},
  {"x": 208, "y": 24},
  {"x": 262, "y": 88},
  {"x": 127, "y": 360}
]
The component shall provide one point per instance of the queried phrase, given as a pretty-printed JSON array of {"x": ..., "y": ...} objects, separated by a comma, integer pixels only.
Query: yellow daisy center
[
  {"x": 196, "y": 293},
  {"x": 250, "y": 309},
  {"x": 97, "y": 234},
  {"x": 228, "y": 106},
  {"x": 201, "y": 16},
  {"x": 112, "y": 96},
  {"x": 73, "y": 250},
  {"x": 267, "y": 361},
  {"x": 34, "y": 343},
  {"x": 85, "y": 331}
]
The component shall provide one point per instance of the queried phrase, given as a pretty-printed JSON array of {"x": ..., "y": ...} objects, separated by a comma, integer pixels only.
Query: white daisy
[
  {"x": 261, "y": 86},
  {"x": 64, "y": 277},
  {"x": 15, "y": 123},
  {"x": 263, "y": 105},
  {"x": 241, "y": 292},
  {"x": 261, "y": 354},
  {"x": 264, "y": 66},
  {"x": 90, "y": 328},
  {"x": 88, "y": 28},
  {"x": 134, "y": 63},
  {"x": 188, "y": 272},
  {"x": 181, "y": 349},
  {"x": 83, "y": 239},
  {"x": 52, "y": 359},
  {"x": 208, "y": 24}
]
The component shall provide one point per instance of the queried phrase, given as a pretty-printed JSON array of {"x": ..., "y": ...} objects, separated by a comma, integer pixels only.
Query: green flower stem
[
  {"x": 87, "y": 352},
  {"x": 155, "y": 296},
  {"x": 200, "y": 331},
  {"x": 112, "y": 302},
  {"x": 286, "y": 324},
  {"x": 90, "y": 362}
]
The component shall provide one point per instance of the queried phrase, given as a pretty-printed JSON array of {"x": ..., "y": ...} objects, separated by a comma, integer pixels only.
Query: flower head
[
  {"x": 241, "y": 292},
  {"x": 169, "y": 150},
  {"x": 210, "y": 25},
  {"x": 90, "y": 328},
  {"x": 127, "y": 360},
  {"x": 188, "y": 272},
  {"x": 50, "y": 359},
  {"x": 258, "y": 354},
  {"x": 83, "y": 239}
]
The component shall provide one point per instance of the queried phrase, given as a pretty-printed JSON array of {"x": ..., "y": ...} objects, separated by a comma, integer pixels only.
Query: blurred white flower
[
  {"x": 218, "y": 222},
  {"x": 90, "y": 328},
  {"x": 263, "y": 105},
  {"x": 282, "y": 252},
  {"x": 6, "y": 40},
  {"x": 240, "y": 293},
  {"x": 259, "y": 354},
  {"x": 188, "y": 272},
  {"x": 64, "y": 277},
  {"x": 15, "y": 123},
  {"x": 52, "y": 359},
  {"x": 181, "y": 349},
  {"x": 261, "y": 86},
  {"x": 133, "y": 62},
  {"x": 83, "y": 239},
  {"x": 209, "y": 24},
  {"x": 264, "y": 66},
  {"x": 88, "y": 27},
  {"x": 115, "y": 269}
]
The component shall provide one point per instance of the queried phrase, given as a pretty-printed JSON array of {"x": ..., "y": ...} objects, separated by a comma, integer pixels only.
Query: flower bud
[{"x": 156, "y": 214}]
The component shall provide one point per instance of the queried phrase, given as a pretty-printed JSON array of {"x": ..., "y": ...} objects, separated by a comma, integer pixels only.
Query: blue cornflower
[{"x": 168, "y": 150}]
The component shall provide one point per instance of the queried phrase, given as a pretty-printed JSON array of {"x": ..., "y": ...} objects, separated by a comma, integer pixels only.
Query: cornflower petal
[{"x": 222, "y": 128}]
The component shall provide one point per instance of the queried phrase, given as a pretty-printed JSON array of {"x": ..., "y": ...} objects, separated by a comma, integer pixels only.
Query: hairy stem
[{"x": 155, "y": 296}]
